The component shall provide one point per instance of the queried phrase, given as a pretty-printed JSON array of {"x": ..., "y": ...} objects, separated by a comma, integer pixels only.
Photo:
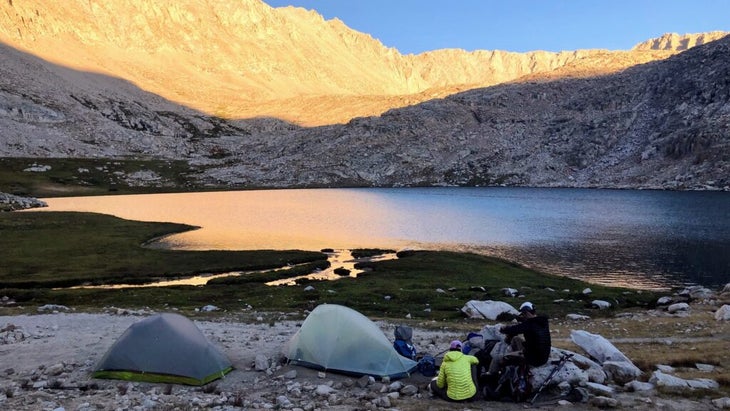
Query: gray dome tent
[
  {"x": 165, "y": 348},
  {"x": 339, "y": 339}
]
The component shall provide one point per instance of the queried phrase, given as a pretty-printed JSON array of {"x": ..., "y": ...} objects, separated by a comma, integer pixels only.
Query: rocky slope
[
  {"x": 244, "y": 59},
  {"x": 660, "y": 125},
  {"x": 131, "y": 78}
]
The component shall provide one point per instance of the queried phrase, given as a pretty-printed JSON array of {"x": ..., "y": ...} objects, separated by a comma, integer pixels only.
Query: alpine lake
[{"x": 452, "y": 245}]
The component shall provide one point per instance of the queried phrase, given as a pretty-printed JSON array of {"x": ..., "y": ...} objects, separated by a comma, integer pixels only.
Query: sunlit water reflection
[{"x": 649, "y": 239}]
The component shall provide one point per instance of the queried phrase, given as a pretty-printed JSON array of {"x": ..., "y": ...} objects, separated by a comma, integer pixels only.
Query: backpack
[
  {"x": 513, "y": 384},
  {"x": 403, "y": 344},
  {"x": 427, "y": 366}
]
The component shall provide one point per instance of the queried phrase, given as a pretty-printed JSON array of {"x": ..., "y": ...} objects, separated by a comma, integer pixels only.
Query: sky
[{"x": 415, "y": 26}]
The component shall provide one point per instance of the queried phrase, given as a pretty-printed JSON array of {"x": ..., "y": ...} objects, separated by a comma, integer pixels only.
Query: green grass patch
[
  {"x": 60, "y": 249},
  {"x": 40, "y": 251},
  {"x": 53, "y": 177}
]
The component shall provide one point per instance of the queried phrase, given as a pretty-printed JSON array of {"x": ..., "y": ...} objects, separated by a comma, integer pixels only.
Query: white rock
[
  {"x": 705, "y": 367},
  {"x": 283, "y": 401},
  {"x": 722, "y": 403},
  {"x": 291, "y": 374},
  {"x": 309, "y": 288},
  {"x": 599, "y": 389},
  {"x": 261, "y": 363},
  {"x": 577, "y": 317},
  {"x": 409, "y": 390},
  {"x": 509, "y": 292},
  {"x": 638, "y": 386},
  {"x": 697, "y": 292},
  {"x": 395, "y": 386},
  {"x": 209, "y": 308},
  {"x": 324, "y": 390},
  {"x": 571, "y": 373},
  {"x": 488, "y": 309},
  {"x": 621, "y": 372},
  {"x": 664, "y": 300},
  {"x": 440, "y": 291},
  {"x": 677, "y": 307},
  {"x": 587, "y": 291},
  {"x": 597, "y": 347},
  {"x": 52, "y": 308},
  {"x": 703, "y": 384},
  {"x": 723, "y": 313},
  {"x": 667, "y": 369},
  {"x": 601, "y": 304},
  {"x": 55, "y": 369},
  {"x": 661, "y": 379}
]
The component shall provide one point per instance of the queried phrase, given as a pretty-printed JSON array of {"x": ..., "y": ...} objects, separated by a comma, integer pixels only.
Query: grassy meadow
[{"x": 44, "y": 253}]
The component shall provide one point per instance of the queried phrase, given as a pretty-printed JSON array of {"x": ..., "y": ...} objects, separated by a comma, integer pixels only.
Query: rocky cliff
[
  {"x": 160, "y": 80},
  {"x": 244, "y": 59}
]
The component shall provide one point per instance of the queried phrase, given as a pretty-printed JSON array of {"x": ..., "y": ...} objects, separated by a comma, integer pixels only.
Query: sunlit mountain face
[{"x": 244, "y": 59}]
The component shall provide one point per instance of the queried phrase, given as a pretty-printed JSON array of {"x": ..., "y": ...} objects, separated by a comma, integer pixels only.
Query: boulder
[
  {"x": 599, "y": 389},
  {"x": 697, "y": 292},
  {"x": 678, "y": 307},
  {"x": 489, "y": 310},
  {"x": 664, "y": 300},
  {"x": 634, "y": 386},
  {"x": 601, "y": 304},
  {"x": 722, "y": 403},
  {"x": 577, "y": 317},
  {"x": 661, "y": 379},
  {"x": 578, "y": 370},
  {"x": 621, "y": 372},
  {"x": 597, "y": 347},
  {"x": 592, "y": 370},
  {"x": 723, "y": 313}
]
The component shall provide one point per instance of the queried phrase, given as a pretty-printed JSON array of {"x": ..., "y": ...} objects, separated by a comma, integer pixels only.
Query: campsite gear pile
[{"x": 169, "y": 348}]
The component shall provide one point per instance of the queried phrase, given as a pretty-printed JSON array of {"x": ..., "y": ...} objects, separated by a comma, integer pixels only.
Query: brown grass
[{"x": 653, "y": 338}]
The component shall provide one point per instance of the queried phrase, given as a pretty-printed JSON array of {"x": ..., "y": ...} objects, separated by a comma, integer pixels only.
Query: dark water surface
[{"x": 640, "y": 239}]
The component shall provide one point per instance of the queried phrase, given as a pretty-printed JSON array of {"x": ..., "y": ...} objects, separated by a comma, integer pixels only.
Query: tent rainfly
[
  {"x": 165, "y": 348},
  {"x": 339, "y": 339}
]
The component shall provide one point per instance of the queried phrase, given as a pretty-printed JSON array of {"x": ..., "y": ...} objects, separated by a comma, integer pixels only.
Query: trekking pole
[{"x": 559, "y": 366}]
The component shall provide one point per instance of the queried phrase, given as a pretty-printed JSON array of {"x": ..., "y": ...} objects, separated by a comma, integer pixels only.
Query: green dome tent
[
  {"x": 340, "y": 339},
  {"x": 166, "y": 348}
]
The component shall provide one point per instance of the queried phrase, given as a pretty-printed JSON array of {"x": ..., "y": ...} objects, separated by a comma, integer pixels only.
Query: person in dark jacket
[{"x": 535, "y": 345}]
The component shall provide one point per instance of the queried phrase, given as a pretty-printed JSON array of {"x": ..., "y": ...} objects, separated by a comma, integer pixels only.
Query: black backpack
[{"x": 427, "y": 366}]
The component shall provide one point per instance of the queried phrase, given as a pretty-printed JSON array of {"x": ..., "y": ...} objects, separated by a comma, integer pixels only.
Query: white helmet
[{"x": 527, "y": 306}]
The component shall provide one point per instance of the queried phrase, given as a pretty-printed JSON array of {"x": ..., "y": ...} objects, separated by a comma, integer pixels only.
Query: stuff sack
[
  {"x": 403, "y": 344},
  {"x": 427, "y": 366}
]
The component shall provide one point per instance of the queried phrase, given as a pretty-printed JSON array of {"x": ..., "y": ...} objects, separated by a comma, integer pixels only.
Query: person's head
[
  {"x": 455, "y": 345},
  {"x": 527, "y": 310}
]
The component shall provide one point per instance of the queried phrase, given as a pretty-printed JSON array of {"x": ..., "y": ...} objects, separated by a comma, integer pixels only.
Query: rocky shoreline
[{"x": 10, "y": 202}]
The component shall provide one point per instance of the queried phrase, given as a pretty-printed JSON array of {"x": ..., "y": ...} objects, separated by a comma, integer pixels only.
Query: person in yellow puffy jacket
[{"x": 457, "y": 380}]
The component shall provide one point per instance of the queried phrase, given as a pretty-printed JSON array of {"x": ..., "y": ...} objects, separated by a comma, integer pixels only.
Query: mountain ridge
[
  {"x": 246, "y": 59},
  {"x": 594, "y": 119}
]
